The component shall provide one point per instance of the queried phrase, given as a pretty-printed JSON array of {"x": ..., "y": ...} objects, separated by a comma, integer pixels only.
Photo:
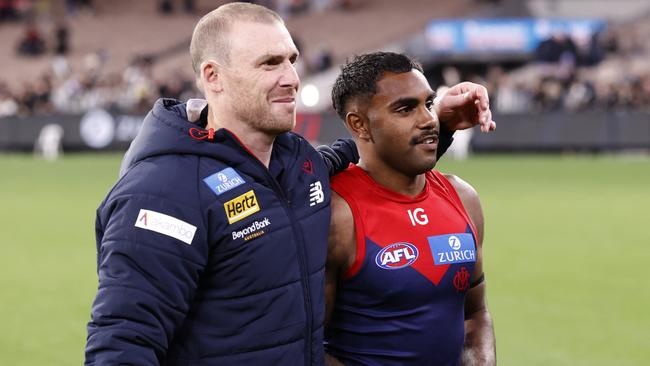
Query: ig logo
[{"x": 418, "y": 216}]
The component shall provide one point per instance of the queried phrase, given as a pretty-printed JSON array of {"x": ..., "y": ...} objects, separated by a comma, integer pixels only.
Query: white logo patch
[
  {"x": 316, "y": 193},
  {"x": 166, "y": 225},
  {"x": 418, "y": 216}
]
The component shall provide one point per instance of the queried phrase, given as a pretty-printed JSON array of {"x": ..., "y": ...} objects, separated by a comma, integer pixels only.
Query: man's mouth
[
  {"x": 284, "y": 100},
  {"x": 427, "y": 139}
]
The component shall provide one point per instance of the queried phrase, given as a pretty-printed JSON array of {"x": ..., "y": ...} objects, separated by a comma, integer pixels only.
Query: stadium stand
[
  {"x": 98, "y": 55},
  {"x": 113, "y": 61}
]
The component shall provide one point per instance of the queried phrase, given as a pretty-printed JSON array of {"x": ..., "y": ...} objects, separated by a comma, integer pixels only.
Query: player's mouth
[{"x": 428, "y": 141}]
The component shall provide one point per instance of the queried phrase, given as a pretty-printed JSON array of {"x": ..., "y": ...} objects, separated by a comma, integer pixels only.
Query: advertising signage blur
[{"x": 493, "y": 36}]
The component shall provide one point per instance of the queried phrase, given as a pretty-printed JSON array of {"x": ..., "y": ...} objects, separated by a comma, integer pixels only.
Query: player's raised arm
[{"x": 479, "y": 348}]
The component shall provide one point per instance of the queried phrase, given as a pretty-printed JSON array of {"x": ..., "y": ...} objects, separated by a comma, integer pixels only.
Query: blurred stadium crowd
[
  {"x": 610, "y": 72},
  {"x": 61, "y": 88}
]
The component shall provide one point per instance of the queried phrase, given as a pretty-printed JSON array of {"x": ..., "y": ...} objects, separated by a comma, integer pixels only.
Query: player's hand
[{"x": 463, "y": 106}]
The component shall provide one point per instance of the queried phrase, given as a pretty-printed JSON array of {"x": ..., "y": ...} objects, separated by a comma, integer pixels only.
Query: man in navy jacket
[{"x": 212, "y": 244}]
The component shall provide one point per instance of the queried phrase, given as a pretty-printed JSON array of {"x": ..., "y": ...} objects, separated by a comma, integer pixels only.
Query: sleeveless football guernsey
[{"x": 402, "y": 300}]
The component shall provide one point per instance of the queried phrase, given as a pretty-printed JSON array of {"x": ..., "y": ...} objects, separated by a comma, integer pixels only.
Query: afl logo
[{"x": 396, "y": 256}]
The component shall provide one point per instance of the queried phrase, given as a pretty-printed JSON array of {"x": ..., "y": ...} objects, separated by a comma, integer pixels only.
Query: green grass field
[{"x": 566, "y": 246}]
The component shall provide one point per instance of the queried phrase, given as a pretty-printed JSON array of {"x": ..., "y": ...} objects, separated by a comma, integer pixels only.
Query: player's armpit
[{"x": 341, "y": 249}]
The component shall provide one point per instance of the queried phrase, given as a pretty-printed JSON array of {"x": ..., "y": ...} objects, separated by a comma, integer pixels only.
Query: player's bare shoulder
[
  {"x": 465, "y": 191},
  {"x": 470, "y": 199}
]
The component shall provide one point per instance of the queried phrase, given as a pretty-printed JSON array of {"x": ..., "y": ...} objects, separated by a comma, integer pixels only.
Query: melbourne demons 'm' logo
[
  {"x": 395, "y": 256},
  {"x": 461, "y": 280}
]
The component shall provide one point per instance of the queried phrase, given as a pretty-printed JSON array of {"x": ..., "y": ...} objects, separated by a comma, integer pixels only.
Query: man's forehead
[
  {"x": 256, "y": 39},
  {"x": 406, "y": 84}
]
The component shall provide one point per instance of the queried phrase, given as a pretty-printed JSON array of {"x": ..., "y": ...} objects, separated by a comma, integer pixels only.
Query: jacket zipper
[{"x": 300, "y": 244}]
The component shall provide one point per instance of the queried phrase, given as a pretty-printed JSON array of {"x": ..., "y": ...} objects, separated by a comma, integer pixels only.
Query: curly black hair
[{"x": 359, "y": 77}]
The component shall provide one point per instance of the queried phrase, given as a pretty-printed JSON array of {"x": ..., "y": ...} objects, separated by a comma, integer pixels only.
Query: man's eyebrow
[{"x": 276, "y": 58}]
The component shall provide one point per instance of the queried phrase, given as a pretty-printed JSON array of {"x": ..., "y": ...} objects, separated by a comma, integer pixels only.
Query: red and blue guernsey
[{"x": 402, "y": 300}]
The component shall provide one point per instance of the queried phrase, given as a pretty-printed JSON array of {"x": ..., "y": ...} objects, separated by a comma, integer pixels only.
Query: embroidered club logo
[
  {"x": 461, "y": 280},
  {"x": 396, "y": 256},
  {"x": 241, "y": 207},
  {"x": 224, "y": 180},
  {"x": 308, "y": 167}
]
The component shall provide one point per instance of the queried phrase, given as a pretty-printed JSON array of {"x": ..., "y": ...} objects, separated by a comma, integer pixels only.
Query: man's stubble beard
[{"x": 257, "y": 114}]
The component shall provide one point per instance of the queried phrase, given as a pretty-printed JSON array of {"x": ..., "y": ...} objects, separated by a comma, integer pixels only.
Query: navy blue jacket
[{"x": 205, "y": 256}]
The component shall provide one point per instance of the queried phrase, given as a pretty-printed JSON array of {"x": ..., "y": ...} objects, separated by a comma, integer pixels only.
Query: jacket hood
[{"x": 167, "y": 130}]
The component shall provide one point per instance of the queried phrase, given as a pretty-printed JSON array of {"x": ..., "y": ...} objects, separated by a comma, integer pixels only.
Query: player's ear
[
  {"x": 211, "y": 77},
  {"x": 357, "y": 123}
]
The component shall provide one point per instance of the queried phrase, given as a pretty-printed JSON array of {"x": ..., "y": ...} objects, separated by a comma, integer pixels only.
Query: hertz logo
[{"x": 241, "y": 207}]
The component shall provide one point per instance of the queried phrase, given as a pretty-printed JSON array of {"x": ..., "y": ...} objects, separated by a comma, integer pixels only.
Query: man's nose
[
  {"x": 428, "y": 119},
  {"x": 289, "y": 76}
]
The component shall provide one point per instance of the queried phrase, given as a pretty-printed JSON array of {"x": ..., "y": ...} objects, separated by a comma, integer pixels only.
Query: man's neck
[
  {"x": 260, "y": 144},
  {"x": 396, "y": 181}
]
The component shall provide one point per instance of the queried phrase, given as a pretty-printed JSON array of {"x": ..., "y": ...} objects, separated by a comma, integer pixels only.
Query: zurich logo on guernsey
[
  {"x": 452, "y": 248},
  {"x": 396, "y": 256}
]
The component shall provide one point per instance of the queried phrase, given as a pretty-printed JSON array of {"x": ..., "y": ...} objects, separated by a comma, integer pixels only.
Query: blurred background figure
[{"x": 48, "y": 144}]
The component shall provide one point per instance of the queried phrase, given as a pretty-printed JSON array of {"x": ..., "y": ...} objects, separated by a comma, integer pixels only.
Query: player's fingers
[
  {"x": 455, "y": 101},
  {"x": 486, "y": 122},
  {"x": 482, "y": 96}
]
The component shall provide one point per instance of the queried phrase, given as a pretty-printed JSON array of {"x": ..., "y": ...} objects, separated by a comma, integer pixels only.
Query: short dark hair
[{"x": 359, "y": 77}]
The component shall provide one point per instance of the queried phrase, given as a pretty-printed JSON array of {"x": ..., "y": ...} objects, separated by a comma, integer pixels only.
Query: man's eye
[
  {"x": 429, "y": 105},
  {"x": 271, "y": 62},
  {"x": 404, "y": 110}
]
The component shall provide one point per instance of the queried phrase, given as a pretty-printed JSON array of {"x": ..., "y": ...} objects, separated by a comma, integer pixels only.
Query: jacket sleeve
[
  {"x": 339, "y": 156},
  {"x": 149, "y": 263},
  {"x": 444, "y": 141}
]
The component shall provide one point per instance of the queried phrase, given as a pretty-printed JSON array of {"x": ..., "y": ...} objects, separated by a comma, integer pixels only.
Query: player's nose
[{"x": 427, "y": 119}]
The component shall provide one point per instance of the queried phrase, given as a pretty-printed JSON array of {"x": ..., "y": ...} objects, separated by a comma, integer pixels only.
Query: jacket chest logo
[
  {"x": 241, "y": 207},
  {"x": 224, "y": 180},
  {"x": 316, "y": 194}
]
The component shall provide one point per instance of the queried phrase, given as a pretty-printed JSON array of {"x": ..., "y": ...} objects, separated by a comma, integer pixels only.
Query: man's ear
[
  {"x": 357, "y": 123},
  {"x": 211, "y": 77}
]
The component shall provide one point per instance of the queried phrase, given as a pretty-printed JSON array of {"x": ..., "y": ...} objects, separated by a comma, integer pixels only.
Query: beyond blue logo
[
  {"x": 396, "y": 256},
  {"x": 224, "y": 181},
  {"x": 452, "y": 248}
]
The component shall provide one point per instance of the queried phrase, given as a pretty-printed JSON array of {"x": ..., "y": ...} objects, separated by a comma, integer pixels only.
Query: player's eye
[{"x": 404, "y": 110}]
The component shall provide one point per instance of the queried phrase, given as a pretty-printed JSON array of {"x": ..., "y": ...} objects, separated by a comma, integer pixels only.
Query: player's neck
[
  {"x": 258, "y": 143},
  {"x": 394, "y": 180}
]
